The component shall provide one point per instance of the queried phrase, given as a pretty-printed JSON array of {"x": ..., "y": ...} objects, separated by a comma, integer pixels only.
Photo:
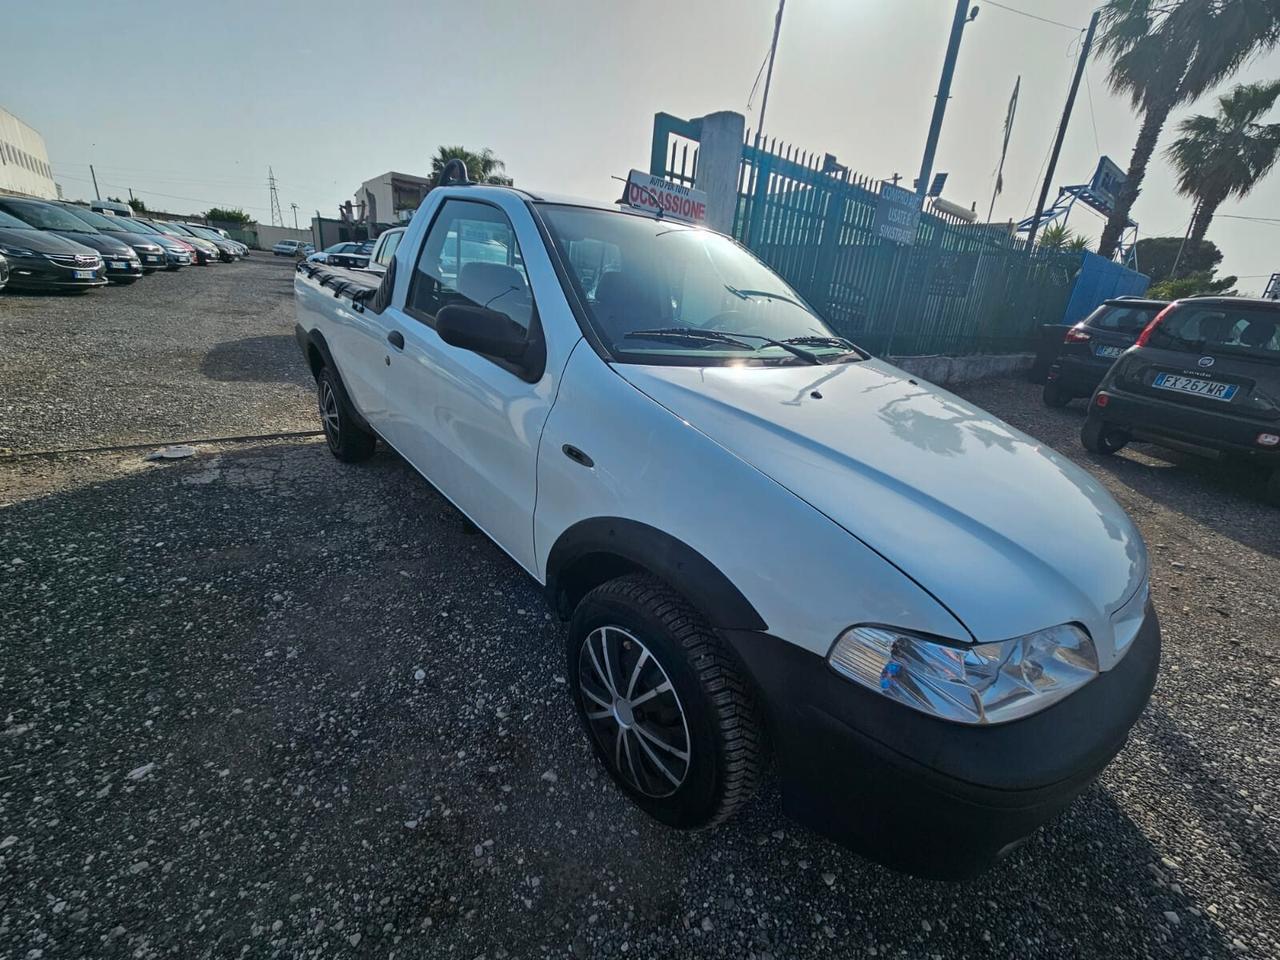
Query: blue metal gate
[{"x": 960, "y": 288}]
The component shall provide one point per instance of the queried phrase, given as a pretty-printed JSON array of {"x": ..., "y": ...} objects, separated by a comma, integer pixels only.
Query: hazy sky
[{"x": 188, "y": 103}]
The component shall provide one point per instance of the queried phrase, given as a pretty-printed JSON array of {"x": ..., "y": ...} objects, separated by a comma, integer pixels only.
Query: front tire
[
  {"x": 668, "y": 711},
  {"x": 1054, "y": 395},
  {"x": 348, "y": 440},
  {"x": 1098, "y": 437}
]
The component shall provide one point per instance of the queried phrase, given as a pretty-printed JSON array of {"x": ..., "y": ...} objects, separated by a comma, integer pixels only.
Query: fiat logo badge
[{"x": 1206, "y": 361}]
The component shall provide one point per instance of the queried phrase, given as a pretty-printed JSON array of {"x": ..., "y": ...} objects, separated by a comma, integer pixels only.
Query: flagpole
[
  {"x": 1004, "y": 149},
  {"x": 999, "y": 186}
]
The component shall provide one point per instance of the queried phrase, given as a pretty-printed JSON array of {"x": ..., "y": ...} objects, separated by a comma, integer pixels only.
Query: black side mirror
[{"x": 483, "y": 331}]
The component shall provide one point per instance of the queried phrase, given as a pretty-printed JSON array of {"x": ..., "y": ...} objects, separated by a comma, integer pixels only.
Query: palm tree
[
  {"x": 1165, "y": 53},
  {"x": 1055, "y": 237},
  {"x": 483, "y": 166},
  {"x": 1078, "y": 243},
  {"x": 1226, "y": 155}
]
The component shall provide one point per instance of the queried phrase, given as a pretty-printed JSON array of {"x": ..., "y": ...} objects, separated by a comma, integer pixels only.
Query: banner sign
[
  {"x": 674, "y": 200},
  {"x": 1108, "y": 180},
  {"x": 897, "y": 214}
]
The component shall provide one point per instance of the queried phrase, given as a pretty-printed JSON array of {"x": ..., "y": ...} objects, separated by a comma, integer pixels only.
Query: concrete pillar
[{"x": 719, "y": 155}]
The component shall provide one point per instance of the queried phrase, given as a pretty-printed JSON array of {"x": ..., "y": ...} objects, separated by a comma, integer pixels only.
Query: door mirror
[{"x": 483, "y": 331}]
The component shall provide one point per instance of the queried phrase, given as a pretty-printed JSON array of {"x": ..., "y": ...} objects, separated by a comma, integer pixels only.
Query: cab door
[{"x": 467, "y": 422}]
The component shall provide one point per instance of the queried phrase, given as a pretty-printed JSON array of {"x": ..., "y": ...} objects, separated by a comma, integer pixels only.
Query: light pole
[{"x": 962, "y": 16}]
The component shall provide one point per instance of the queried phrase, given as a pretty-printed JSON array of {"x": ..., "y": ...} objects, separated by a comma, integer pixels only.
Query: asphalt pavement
[{"x": 257, "y": 703}]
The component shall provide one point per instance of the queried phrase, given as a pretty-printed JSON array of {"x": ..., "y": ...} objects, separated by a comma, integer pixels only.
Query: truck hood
[{"x": 1002, "y": 530}]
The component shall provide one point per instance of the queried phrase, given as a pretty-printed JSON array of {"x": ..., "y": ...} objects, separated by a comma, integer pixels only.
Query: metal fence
[{"x": 960, "y": 288}]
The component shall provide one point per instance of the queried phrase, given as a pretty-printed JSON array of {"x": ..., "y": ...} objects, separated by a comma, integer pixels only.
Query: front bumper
[
  {"x": 40, "y": 273},
  {"x": 119, "y": 268},
  {"x": 922, "y": 795},
  {"x": 1159, "y": 421}
]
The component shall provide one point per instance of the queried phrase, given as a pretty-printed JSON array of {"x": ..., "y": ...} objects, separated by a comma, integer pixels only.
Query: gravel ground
[
  {"x": 203, "y": 352},
  {"x": 258, "y": 703}
]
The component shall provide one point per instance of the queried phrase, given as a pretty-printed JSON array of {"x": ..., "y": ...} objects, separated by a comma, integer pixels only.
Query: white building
[
  {"x": 392, "y": 197},
  {"x": 24, "y": 161}
]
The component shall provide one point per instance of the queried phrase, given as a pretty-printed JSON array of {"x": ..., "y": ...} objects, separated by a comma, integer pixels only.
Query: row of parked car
[
  {"x": 1200, "y": 374},
  {"x": 54, "y": 245},
  {"x": 354, "y": 254}
]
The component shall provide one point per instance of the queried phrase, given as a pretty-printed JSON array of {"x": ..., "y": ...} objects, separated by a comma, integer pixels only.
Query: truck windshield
[{"x": 656, "y": 291}]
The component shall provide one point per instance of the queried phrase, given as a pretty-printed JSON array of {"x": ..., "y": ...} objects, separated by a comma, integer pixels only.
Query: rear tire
[
  {"x": 641, "y": 658},
  {"x": 1054, "y": 395},
  {"x": 1098, "y": 437},
  {"x": 348, "y": 440}
]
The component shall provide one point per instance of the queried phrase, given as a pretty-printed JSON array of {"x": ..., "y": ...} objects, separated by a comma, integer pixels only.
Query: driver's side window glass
[{"x": 471, "y": 257}]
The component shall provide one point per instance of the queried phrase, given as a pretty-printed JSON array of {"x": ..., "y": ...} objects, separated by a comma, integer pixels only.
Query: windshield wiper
[
  {"x": 730, "y": 337},
  {"x": 817, "y": 341},
  {"x": 767, "y": 294},
  {"x": 840, "y": 343},
  {"x": 686, "y": 333}
]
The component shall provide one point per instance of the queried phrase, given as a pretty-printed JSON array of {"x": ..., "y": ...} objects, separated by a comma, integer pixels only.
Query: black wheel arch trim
[
  {"x": 314, "y": 340},
  {"x": 594, "y": 551}
]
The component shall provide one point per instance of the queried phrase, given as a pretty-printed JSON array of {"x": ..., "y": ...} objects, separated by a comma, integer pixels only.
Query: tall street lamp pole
[{"x": 962, "y": 16}]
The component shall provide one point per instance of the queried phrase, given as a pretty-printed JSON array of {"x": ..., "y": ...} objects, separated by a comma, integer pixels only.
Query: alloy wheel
[
  {"x": 634, "y": 712},
  {"x": 329, "y": 415}
]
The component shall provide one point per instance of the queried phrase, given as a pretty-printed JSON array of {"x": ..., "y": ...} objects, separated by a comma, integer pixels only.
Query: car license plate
[
  {"x": 119, "y": 264},
  {"x": 153, "y": 259},
  {"x": 82, "y": 274},
  {"x": 1212, "y": 389},
  {"x": 1110, "y": 353}
]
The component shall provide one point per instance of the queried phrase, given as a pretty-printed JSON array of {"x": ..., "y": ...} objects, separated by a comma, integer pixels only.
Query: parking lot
[{"x": 259, "y": 703}]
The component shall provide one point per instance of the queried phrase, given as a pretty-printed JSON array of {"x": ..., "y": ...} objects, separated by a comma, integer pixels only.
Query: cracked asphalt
[{"x": 257, "y": 703}]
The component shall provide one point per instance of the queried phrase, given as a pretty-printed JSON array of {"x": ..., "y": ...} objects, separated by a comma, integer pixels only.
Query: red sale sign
[{"x": 647, "y": 192}]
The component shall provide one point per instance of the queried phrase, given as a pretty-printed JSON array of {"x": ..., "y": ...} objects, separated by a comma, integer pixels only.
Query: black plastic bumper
[
  {"x": 38, "y": 273},
  {"x": 922, "y": 795},
  {"x": 1081, "y": 377},
  {"x": 1157, "y": 420},
  {"x": 131, "y": 272}
]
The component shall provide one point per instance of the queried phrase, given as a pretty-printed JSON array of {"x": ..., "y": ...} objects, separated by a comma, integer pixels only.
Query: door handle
[
  {"x": 577, "y": 456},
  {"x": 396, "y": 339}
]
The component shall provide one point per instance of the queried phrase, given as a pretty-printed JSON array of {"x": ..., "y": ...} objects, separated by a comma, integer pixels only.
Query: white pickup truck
[{"x": 776, "y": 554}]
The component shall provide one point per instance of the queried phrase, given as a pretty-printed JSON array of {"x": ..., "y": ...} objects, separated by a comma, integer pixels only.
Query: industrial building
[
  {"x": 24, "y": 161},
  {"x": 391, "y": 198}
]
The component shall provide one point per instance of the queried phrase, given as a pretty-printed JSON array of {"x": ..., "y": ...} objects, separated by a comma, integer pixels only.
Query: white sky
[{"x": 189, "y": 103}]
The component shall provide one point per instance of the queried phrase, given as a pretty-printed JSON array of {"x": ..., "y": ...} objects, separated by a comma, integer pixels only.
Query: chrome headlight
[{"x": 983, "y": 683}]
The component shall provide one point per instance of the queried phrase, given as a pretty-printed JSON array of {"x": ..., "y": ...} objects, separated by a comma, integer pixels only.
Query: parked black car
[
  {"x": 205, "y": 252},
  {"x": 353, "y": 253},
  {"x": 1088, "y": 349},
  {"x": 123, "y": 265},
  {"x": 178, "y": 253},
  {"x": 39, "y": 260},
  {"x": 228, "y": 250},
  {"x": 148, "y": 250},
  {"x": 1204, "y": 375}
]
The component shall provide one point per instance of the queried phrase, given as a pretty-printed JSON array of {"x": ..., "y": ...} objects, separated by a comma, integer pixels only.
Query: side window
[
  {"x": 389, "y": 248},
  {"x": 471, "y": 257}
]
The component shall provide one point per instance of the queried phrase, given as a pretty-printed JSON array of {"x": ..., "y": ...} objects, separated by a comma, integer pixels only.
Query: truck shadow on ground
[
  {"x": 260, "y": 634},
  {"x": 268, "y": 359}
]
